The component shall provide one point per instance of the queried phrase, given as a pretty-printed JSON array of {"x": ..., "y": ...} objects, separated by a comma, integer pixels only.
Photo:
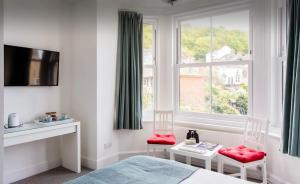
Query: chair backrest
[
  {"x": 256, "y": 133},
  {"x": 163, "y": 122}
]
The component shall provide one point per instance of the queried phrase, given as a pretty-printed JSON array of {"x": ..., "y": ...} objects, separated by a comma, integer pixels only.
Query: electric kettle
[{"x": 13, "y": 120}]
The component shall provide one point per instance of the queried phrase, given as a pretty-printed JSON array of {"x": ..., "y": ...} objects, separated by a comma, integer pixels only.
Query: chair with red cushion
[
  {"x": 163, "y": 132},
  {"x": 244, "y": 156}
]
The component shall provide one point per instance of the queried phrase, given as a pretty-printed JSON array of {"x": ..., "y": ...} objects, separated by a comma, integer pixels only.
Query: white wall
[
  {"x": 107, "y": 54},
  {"x": 65, "y": 67},
  {"x": 1, "y": 91},
  {"x": 84, "y": 77},
  {"x": 283, "y": 167},
  {"x": 37, "y": 24}
]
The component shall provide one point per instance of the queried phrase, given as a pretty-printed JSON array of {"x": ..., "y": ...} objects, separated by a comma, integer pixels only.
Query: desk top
[{"x": 32, "y": 125}]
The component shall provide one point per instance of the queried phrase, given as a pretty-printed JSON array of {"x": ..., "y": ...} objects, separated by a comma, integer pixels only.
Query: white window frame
[
  {"x": 210, "y": 118},
  {"x": 147, "y": 115},
  {"x": 281, "y": 57}
]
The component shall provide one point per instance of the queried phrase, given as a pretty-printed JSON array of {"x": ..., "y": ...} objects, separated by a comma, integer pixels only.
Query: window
[
  {"x": 213, "y": 64},
  {"x": 149, "y": 54},
  {"x": 280, "y": 64}
]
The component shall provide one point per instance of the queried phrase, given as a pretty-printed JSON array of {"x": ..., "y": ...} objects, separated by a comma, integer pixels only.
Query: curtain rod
[{"x": 129, "y": 10}]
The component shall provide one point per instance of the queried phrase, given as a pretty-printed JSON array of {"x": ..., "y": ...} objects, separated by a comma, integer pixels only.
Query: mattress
[
  {"x": 139, "y": 170},
  {"x": 203, "y": 176}
]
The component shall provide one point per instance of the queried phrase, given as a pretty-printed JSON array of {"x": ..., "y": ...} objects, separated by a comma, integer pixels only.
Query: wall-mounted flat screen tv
[{"x": 30, "y": 67}]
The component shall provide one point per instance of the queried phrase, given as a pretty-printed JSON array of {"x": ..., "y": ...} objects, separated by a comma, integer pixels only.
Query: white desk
[
  {"x": 207, "y": 156},
  {"x": 70, "y": 140}
]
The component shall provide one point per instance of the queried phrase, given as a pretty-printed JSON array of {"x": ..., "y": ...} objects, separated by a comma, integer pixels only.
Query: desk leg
[
  {"x": 172, "y": 156},
  {"x": 71, "y": 151},
  {"x": 188, "y": 160},
  {"x": 208, "y": 164}
]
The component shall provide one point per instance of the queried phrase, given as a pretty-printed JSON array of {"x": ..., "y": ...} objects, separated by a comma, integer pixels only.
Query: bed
[{"x": 150, "y": 170}]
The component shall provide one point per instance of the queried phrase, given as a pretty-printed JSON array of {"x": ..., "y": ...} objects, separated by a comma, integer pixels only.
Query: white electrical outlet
[
  {"x": 107, "y": 145},
  {"x": 259, "y": 168}
]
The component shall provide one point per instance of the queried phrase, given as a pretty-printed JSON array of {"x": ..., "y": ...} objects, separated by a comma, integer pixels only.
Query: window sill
[
  {"x": 274, "y": 131},
  {"x": 210, "y": 127},
  {"x": 204, "y": 126},
  {"x": 231, "y": 122}
]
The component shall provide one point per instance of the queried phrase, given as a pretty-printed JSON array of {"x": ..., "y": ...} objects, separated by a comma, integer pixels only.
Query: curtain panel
[
  {"x": 291, "y": 117},
  {"x": 129, "y": 71}
]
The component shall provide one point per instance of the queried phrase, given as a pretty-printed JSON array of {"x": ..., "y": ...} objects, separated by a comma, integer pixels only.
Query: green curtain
[
  {"x": 129, "y": 71},
  {"x": 291, "y": 117}
]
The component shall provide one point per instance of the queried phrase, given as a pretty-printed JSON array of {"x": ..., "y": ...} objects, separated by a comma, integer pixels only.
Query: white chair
[
  {"x": 255, "y": 137},
  {"x": 163, "y": 132}
]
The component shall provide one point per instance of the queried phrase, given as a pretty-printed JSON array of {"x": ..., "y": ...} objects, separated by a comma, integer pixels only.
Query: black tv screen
[{"x": 30, "y": 67}]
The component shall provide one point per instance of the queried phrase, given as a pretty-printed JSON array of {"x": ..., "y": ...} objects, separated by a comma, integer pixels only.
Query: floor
[{"x": 55, "y": 176}]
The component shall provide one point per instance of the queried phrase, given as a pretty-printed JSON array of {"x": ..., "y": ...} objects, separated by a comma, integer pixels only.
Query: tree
[
  {"x": 195, "y": 41},
  {"x": 230, "y": 101},
  {"x": 148, "y": 36}
]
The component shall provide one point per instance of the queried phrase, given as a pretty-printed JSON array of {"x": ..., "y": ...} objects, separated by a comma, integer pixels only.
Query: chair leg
[
  {"x": 165, "y": 153},
  {"x": 172, "y": 156},
  {"x": 148, "y": 153},
  {"x": 265, "y": 180},
  {"x": 220, "y": 166},
  {"x": 188, "y": 160},
  {"x": 243, "y": 173}
]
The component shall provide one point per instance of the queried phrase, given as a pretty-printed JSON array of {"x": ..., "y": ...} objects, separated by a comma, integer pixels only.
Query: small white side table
[{"x": 207, "y": 156}]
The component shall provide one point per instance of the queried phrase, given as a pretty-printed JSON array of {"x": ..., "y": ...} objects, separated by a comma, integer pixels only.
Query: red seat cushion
[
  {"x": 168, "y": 139},
  {"x": 242, "y": 154}
]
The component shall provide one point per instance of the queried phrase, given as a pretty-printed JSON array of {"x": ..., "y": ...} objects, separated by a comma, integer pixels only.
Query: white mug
[{"x": 13, "y": 120}]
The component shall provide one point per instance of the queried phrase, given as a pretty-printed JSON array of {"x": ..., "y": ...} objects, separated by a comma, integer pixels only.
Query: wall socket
[
  {"x": 107, "y": 145},
  {"x": 259, "y": 168}
]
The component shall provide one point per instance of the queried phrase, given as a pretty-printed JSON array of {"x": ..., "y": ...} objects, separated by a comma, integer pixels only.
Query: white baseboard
[
  {"x": 89, "y": 163},
  {"x": 99, "y": 163},
  {"x": 273, "y": 179},
  {"x": 107, "y": 160},
  {"x": 30, "y": 171},
  {"x": 44, "y": 166}
]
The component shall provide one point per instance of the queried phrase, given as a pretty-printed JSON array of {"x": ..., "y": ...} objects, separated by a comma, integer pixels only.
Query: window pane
[
  {"x": 231, "y": 37},
  {"x": 195, "y": 40},
  {"x": 148, "y": 44},
  {"x": 148, "y": 89},
  {"x": 230, "y": 89},
  {"x": 194, "y": 90}
]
